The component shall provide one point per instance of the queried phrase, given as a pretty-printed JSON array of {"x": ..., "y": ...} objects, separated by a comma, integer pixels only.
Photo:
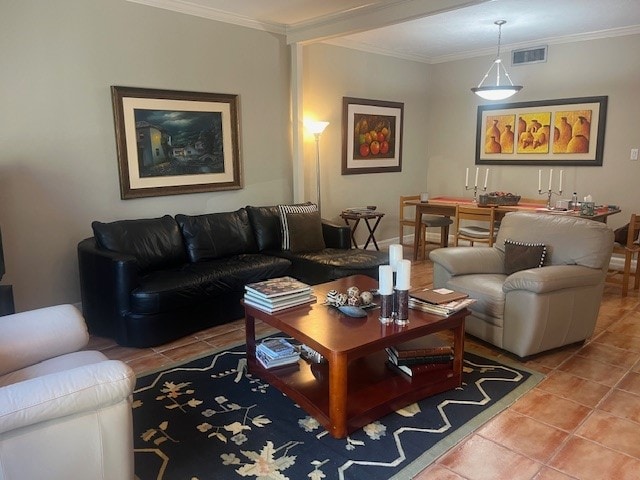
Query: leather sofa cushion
[
  {"x": 305, "y": 232},
  {"x": 155, "y": 242},
  {"x": 216, "y": 235},
  {"x": 265, "y": 222},
  {"x": 166, "y": 290}
]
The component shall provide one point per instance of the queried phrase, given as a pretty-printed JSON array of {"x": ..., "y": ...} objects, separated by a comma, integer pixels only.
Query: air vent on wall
[{"x": 529, "y": 55}]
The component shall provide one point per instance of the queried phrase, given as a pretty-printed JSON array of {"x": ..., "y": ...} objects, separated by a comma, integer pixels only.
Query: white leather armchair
[
  {"x": 64, "y": 413},
  {"x": 535, "y": 309}
]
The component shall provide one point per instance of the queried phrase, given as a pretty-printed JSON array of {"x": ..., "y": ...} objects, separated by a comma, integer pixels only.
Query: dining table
[{"x": 446, "y": 206}]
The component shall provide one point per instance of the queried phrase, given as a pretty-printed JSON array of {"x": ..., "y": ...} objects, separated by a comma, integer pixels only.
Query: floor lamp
[{"x": 317, "y": 128}]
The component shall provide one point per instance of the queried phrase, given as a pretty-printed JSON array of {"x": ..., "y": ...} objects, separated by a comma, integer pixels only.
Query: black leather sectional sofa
[{"x": 149, "y": 281}]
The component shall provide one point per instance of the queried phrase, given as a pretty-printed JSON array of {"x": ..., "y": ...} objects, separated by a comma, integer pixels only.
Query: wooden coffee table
[{"x": 355, "y": 386}]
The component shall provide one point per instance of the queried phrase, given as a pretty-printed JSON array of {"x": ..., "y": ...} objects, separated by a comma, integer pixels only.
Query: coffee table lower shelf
[{"x": 374, "y": 388}]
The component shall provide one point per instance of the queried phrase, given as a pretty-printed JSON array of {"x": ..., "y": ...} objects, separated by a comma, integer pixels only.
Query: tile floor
[{"x": 581, "y": 422}]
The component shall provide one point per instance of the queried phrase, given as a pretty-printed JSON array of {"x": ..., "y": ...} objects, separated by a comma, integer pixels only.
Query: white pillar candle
[
  {"x": 395, "y": 255},
  {"x": 466, "y": 178},
  {"x": 385, "y": 280},
  {"x": 539, "y": 180},
  {"x": 477, "y": 170},
  {"x": 550, "y": 178},
  {"x": 403, "y": 277},
  {"x": 486, "y": 177},
  {"x": 560, "y": 187}
]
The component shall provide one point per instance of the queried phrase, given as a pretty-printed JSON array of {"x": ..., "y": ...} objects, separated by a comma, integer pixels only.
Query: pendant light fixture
[{"x": 497, "y": 91}]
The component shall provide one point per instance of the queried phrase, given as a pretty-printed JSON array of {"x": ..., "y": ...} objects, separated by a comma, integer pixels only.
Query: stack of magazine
[
  {"x": 440, "y": 301},
  {"x": 277, "y": 294},
  {"x": 422, "y": 355},
  {"x": 276, "y": 352}
]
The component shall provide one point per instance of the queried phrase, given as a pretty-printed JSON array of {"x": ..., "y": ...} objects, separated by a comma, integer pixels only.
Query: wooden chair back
[
  {"x": 629, "y": 249},
  {"x": 407, "y": 220},
  {"x": 466, "y": 214}
]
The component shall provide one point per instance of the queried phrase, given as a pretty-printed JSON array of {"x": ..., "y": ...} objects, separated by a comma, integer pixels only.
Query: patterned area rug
[{"x": 210, "y": 419}]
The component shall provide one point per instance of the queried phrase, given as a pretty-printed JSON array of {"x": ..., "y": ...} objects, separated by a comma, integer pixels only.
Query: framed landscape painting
[
  {"x": 174, "y": 142},
  {"x": 371, "y": 136},
  {"x": 551, "y": 132}
]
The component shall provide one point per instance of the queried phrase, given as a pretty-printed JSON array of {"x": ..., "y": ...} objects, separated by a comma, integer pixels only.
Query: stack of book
[
  {"x": 277, "y": 294},
  {"x": 440, "y": 301},
  {"x": 276, "y": 352},
  {"x": 422, "y": 355}
]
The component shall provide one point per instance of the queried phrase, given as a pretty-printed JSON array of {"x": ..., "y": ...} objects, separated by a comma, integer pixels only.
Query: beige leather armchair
[
  {"x": 64, "y": 413},
  {"x": 534, "y": 309}
]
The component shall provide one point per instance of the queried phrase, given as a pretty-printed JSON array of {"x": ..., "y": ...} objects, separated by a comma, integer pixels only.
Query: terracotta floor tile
[
  {"x": 188, "y": 351},
  {"x": 523, "y": 435},
  {"x": 613, "y": 432},
  {"x": 126, "y": 354},
  {"x": 630, "y": 383},
  {"x": 550, "y": 474},
  {"x": 627, "y": 342},
  {"x": 622, "y": 404},
  {"x": 587, "y": 460},
  {"x": 481, "y": 459},
  {"x": 595, "y": 370},
  {"x": 555, "y": 358},
  {"x": 551, "y": 409},
  {"x": 151, "y": 363},
  {"x": 609, "y": 354},
  {"x": 574, "y": 388},
  {"x": 437, "y": 472},
  {"x": 629, "y": 325}
]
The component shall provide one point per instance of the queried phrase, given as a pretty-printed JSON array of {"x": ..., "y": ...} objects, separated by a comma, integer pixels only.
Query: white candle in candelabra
[
  {"x": 539, "y": 180},
  {"x": 477, "y": 170},
  {"x": 560, "y": 186},
  {"x": 550, "y": 178},
  {"x": 385, "y": 280},
  {"x": 486, "y": 177},
  {"x": 466, "y": 178},
  {"x": 395, "y": 255},
  {"x": 403, "y": 278}
]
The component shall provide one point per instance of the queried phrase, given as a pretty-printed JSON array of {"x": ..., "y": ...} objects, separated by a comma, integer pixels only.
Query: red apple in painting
[
  {"x": 375, "y": 148},
  {"x": 384, "y": 147},
  {"x": 380, "y": 137},
  {"x": 364, "y": 150}
]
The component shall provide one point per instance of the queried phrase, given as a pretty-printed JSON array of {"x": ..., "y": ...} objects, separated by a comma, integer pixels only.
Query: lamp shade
[
  {"x": 499, "y": 92},
  {"x": 315, "y": 127}
]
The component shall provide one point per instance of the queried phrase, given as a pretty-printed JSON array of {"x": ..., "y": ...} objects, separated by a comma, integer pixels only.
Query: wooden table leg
[
  {"x": 250, "y": 336},
  {"x": 458, "y": 348},
  {"x": 353, "y": 231},
  {"x": 417, "y": 232},
  {"x": 338, "y": 395}
]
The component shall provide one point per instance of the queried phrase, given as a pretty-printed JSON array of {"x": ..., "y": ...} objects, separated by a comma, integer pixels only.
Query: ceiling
[{"x": 430, "y": 31}]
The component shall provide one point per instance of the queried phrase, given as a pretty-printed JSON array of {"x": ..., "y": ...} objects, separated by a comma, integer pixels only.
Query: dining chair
[
  {"x": 628, "y": 246},
  {"x": 428, "y": 221},
  {"x": 467, "y": 229}
]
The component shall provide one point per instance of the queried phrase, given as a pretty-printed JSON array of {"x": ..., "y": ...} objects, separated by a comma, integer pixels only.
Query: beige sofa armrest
[
  {"x": 29, "y": 337},
  {"x": 81, "y": 389},
  {"x": 552, "y": 278},
  {"x": 468, "y": 260}
]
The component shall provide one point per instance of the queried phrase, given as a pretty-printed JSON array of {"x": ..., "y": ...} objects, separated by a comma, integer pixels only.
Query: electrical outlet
[{"x": 634, "y": 154}]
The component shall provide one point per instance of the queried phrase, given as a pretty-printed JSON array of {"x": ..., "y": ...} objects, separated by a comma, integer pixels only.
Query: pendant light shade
[{"x": 497, "y": 91}]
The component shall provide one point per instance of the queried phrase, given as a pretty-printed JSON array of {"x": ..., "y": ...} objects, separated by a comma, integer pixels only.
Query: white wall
[
  {"x": 331, "y": 73},
  {"x": 58, "y": 167},
  {"x": 592, "y": 68}
]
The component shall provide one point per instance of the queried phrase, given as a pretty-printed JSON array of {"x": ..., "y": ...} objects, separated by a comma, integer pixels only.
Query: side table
[{"x": 368, "y": 216}]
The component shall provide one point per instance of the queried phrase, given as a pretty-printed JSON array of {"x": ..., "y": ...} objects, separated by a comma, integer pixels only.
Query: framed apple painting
[{"x": 371, "y": 136}]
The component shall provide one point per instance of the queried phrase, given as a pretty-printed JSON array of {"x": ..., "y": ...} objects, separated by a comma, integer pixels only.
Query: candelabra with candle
[
  {"x": 475, "y": 186},
  {"x": 550, "y": 190}
]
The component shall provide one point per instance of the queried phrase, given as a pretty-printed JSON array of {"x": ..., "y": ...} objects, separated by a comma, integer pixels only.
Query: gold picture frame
[{"x": 173, "y": 142}]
